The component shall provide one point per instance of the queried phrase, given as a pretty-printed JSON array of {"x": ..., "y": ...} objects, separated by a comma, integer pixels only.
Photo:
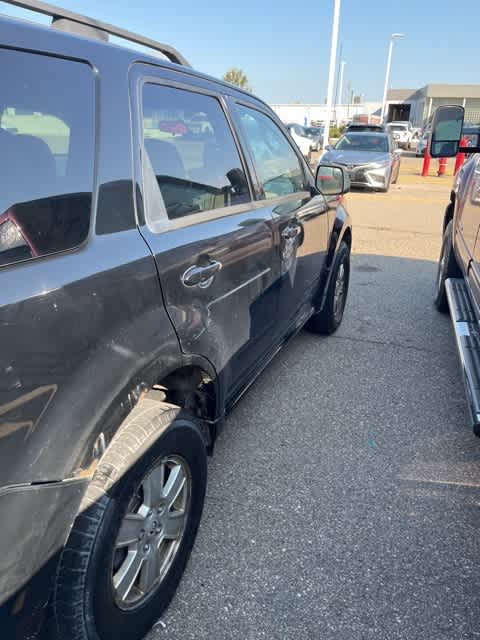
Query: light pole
[
  {"x": 340, "y": 82},
  {"x": 394, "y": 37},
  {"x": 331, "y": 71}
]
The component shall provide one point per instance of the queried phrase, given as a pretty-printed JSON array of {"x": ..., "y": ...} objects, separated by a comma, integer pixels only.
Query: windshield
[
  {"x": 353, "y": 142},
  {"x": 397, "y": 127}
]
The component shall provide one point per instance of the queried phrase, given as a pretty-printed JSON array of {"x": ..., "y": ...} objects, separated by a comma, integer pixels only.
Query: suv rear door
[{"x": 213, "y": 248}]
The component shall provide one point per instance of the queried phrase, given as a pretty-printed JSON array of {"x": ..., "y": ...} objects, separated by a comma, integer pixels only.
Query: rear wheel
[
  {"x": 330, "y": 317},
  {"x": 132, "y": 538},
  {"x": 447, "y": 268}
]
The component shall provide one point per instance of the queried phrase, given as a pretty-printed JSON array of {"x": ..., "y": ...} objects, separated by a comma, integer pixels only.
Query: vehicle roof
[
  {"x": 364, "y": 134},
  {"x": 379, "y": 127},
  {"x": 25, "y": 34}
]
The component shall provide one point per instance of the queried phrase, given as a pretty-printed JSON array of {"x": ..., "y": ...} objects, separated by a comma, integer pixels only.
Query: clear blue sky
[{"x": 285, "y": 51}]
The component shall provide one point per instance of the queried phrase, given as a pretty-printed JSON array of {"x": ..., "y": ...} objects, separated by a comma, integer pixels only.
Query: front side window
[
  {"x": 190, "y": 151},
  {"x": 278, "y": 168},
  {"x": 47, "y": 126}
]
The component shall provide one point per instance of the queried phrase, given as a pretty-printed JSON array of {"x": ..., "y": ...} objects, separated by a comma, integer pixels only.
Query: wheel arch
[
  {"x": 449, "y": 211},
  {"x": 83, "y": 419},
  {"x": 341, "y": 231},
  {"x": 189, "y": 382}
]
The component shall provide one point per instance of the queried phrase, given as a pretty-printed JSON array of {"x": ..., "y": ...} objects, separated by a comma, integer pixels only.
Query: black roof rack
[{"x": 77, "y": 23}]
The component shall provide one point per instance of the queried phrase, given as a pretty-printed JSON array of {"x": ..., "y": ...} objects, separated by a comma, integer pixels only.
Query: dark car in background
[
  {"x": 161, "y": 238},
  {"x": 370, "y": 159}
]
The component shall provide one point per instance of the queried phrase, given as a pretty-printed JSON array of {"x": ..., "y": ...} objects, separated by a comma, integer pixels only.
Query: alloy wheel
[
  {"x": 339, "y": 292},
  {"x": 151, "y": 532}
]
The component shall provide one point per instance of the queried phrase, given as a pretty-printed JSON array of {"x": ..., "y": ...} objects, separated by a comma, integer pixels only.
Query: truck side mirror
[
  {"x": 446, "y": 131},
  {"x": 332, "y": 180}
]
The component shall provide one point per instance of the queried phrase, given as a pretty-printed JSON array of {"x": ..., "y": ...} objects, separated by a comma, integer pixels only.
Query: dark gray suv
[{"x": 161, "y": 237}]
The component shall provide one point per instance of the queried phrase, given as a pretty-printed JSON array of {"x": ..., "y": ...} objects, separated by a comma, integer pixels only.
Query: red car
[{"x": 177, "y": 128}]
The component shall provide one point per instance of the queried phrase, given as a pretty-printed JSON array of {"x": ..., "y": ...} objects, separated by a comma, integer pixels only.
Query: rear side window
[
  {"x": 190, "y": 151},
  {"x": 46, "y": 154},
  {"x": 277, "y": 165}
]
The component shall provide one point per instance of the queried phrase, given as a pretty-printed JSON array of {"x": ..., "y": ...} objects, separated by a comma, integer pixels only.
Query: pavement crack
[{"x": 398, "y": 345}]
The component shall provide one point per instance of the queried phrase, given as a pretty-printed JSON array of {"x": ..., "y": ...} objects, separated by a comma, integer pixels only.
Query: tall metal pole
[
  {"x": 337, "y": 84},
  {"x": 340, "y": 83},
  {"x": 387, "y": 78},
  {"x": 387, "y": 74},
  {"x": 331, "y": 71}
]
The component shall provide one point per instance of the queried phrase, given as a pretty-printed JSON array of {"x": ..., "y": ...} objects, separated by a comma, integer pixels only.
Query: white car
[
  {"x": 402, "y": 134},
  {"x": 307, "y": 138}
]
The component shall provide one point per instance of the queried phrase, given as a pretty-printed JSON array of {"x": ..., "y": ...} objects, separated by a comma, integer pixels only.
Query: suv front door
[
  {"x": 214, "y": 251},
  {"x": 300, "y": 214}
]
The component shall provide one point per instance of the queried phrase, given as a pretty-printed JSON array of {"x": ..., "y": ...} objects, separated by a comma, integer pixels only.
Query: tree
[{"x": 238, "y": 78}]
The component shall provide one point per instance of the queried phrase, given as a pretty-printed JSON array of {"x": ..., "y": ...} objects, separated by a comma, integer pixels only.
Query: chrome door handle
[
  {"x": 291, "y": 231},
  {"x": 201, "y": 275}
]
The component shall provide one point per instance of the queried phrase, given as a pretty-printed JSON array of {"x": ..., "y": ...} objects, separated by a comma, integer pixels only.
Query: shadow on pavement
[{"x": 344, "y": 490}]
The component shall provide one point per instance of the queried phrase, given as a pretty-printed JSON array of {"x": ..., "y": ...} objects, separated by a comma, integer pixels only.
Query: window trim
[
  {"x": 140, "y": 79},
  {"x": 307, "y": 172}
]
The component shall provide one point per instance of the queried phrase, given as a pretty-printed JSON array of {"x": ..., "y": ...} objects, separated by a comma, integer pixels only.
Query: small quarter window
[
  {"x": 190, "y": 150},
  {"x": 46, "y": 154}
]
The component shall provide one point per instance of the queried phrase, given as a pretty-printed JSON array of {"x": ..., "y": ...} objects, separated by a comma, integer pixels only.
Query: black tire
[
  {"x": 447, "y": 268},
  {"x": 328, "y": 319},
  {"x": 84, "y": 604}
]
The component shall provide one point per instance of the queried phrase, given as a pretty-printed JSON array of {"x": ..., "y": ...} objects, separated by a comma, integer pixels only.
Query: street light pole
[
  {"x": 340, "y": 83},
  {"x": 387, "y": 74},
  {"x": 331, "y": 71}
]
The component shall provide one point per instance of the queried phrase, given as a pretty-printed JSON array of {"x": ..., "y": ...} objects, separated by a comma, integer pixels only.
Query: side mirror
[
  {"x": 446, "y": 131},
  {"x": 328, "y": 147},
  {"x": 332, "y": 180}
]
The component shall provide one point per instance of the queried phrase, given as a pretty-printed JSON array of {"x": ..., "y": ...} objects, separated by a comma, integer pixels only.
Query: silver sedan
[{"x": 371, "y": 159}]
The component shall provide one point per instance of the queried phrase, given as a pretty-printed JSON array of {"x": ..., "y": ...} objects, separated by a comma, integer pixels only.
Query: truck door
[
  {"x": 470, "y": 224},
  {"x": 468, "y": 213}
]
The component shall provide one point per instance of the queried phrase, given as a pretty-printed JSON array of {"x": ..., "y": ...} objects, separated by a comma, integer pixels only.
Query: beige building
[{"x": 418, "y": 105}]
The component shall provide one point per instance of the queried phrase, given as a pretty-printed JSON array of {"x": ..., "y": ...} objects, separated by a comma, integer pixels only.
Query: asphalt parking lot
[{"x": 343, "y": 498}]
